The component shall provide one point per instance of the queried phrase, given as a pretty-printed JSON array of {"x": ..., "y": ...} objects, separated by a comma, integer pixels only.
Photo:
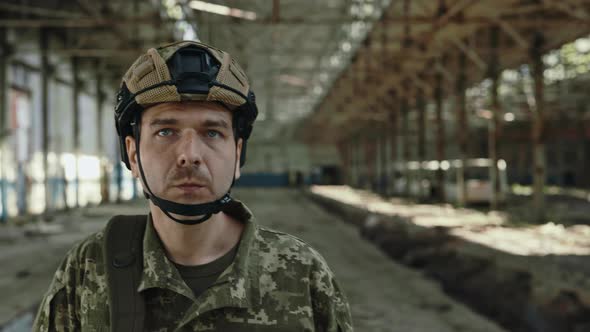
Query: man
[{"x": 198, "y": 261}]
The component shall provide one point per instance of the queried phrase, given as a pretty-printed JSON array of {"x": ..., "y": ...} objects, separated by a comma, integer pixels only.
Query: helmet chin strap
[{"x": 206, "y": 210}]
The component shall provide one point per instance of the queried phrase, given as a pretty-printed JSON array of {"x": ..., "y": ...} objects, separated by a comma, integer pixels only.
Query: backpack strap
[{"x": 123, "y": 252}]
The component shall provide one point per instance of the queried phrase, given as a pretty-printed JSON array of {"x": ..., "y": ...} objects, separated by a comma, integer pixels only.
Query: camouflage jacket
[{"x": 276, "y": 283}]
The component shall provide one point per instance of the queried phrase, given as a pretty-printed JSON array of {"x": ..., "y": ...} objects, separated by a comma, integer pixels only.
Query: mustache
[{"x": 192, "y": 174}]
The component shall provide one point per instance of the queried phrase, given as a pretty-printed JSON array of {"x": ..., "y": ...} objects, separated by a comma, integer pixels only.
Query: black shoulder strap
[{"x": 123, "y": 252}]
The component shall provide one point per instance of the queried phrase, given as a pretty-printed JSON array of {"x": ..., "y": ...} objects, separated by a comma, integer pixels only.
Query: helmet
[{"x": 184, "y": 71}]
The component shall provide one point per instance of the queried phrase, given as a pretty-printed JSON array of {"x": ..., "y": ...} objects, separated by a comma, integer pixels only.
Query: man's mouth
[{"x": 190, "y": 185}]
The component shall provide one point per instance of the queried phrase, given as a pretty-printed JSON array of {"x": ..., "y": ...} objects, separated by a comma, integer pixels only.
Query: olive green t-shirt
[{"x": 199, "y": 277}]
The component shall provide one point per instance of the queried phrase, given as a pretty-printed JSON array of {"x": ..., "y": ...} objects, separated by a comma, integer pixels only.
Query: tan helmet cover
[{"x": 150, "y": 69}]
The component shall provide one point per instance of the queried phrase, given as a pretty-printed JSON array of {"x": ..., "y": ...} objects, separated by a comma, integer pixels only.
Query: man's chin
[{"x": 191, "y": 197}]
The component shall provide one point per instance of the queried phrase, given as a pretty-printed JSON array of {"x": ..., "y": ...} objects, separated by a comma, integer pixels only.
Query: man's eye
[
  {"x": 213, "y": 133},
  {"x": 164, "y": 132}
]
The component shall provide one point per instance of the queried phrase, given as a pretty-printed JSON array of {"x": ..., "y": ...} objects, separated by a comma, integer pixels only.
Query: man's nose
[{"x": 191, "y": 150}]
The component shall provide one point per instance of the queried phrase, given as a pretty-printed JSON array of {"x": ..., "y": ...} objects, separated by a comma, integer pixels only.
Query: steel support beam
[
  {"x": 538, "y": 128},
  {"x": 102, "y": 22},
  {"x": 471, "y": 54},
  {"x": 440, "y": 136},
  {"x": 393, "y": 136},
  {"x": 493, "y": 127},
  {"x": 45, "y": 73},
  {"x": 74, "y": 67},
  {"x": 404, "y": 110},
  {"x": 384, "y": 152},
  {"x": 3, "y": 127},
  {"x": 104, "y": 179},
  {"x": 421, "y": 147},
  {"x": 513, "y": 33},
  {"x": 462, "y": 126}
]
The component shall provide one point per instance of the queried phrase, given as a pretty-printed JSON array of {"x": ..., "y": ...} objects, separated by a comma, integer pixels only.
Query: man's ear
[
  {"x": 238, "y": 154},
  {"x": 132, "y": 155}
]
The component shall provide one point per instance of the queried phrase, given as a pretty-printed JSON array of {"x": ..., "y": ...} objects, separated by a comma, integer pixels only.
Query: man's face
[{"x": 188, "y": 151}]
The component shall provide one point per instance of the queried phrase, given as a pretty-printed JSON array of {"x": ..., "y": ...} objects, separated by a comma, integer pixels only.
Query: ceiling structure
[
  {"x": 292, "y": 50},
  {"x": 415, "y": 41},
  {"x": 320, "y": 69}
]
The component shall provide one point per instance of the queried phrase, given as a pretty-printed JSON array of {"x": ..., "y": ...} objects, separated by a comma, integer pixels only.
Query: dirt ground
[
  {"x": 384, "y": 295},
  {"x": 529, "y": 277},
  {"x": 509, "y": 231}
]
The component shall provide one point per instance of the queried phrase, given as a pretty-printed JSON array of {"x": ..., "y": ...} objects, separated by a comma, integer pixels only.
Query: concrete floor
[{"x": 384, "y": 296}]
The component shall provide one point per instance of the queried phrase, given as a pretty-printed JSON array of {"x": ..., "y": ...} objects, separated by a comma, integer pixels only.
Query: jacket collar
[{"x": 232, "y": 288}]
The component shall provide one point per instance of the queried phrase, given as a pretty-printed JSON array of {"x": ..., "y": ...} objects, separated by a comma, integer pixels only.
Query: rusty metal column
[
  {"x": 352, "y": 163},
  {"x": 352, "y": 170},
  {"x": 357, "y": 146},
  {"x": 372, "y": 155},
  {"x": 45, "y": 72},
  {"x": 440, "y": 137},
  {"x": 384, "y": 160},
  {"x": 344, "y": 150},
  {"x": 582, "y": 155},
  {"x": 3, "y": 127},
  {"x": 76, "y": 125},
  {"x": 494, "y": 73},
  {"x": 342, "y": 147},
  {"x": 383, "y": 60},
  {"x": 103, "y": 176},
  {"x": 363, "y": 168},
  {"x": 462, "y": 128},
  {"x": 404, "y": 142},
  {"x": 377, "y": 157},
  {"x": 421, "y": 151},
  {"x": 350, "y": 147},
  {"x": 538, "y": 128},
  {"x": 393, "y": 132},
  {"x": 367, "y": 166}
]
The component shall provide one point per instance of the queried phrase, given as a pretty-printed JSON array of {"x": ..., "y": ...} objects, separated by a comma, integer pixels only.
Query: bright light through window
[
  {"x": 346, "y": 46},
  {"x": 222, "y": 10},
  {"x": 583, "y": 45},
  {"x": 335, "y": 60},
  {"x": 88, "y": 167}
]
